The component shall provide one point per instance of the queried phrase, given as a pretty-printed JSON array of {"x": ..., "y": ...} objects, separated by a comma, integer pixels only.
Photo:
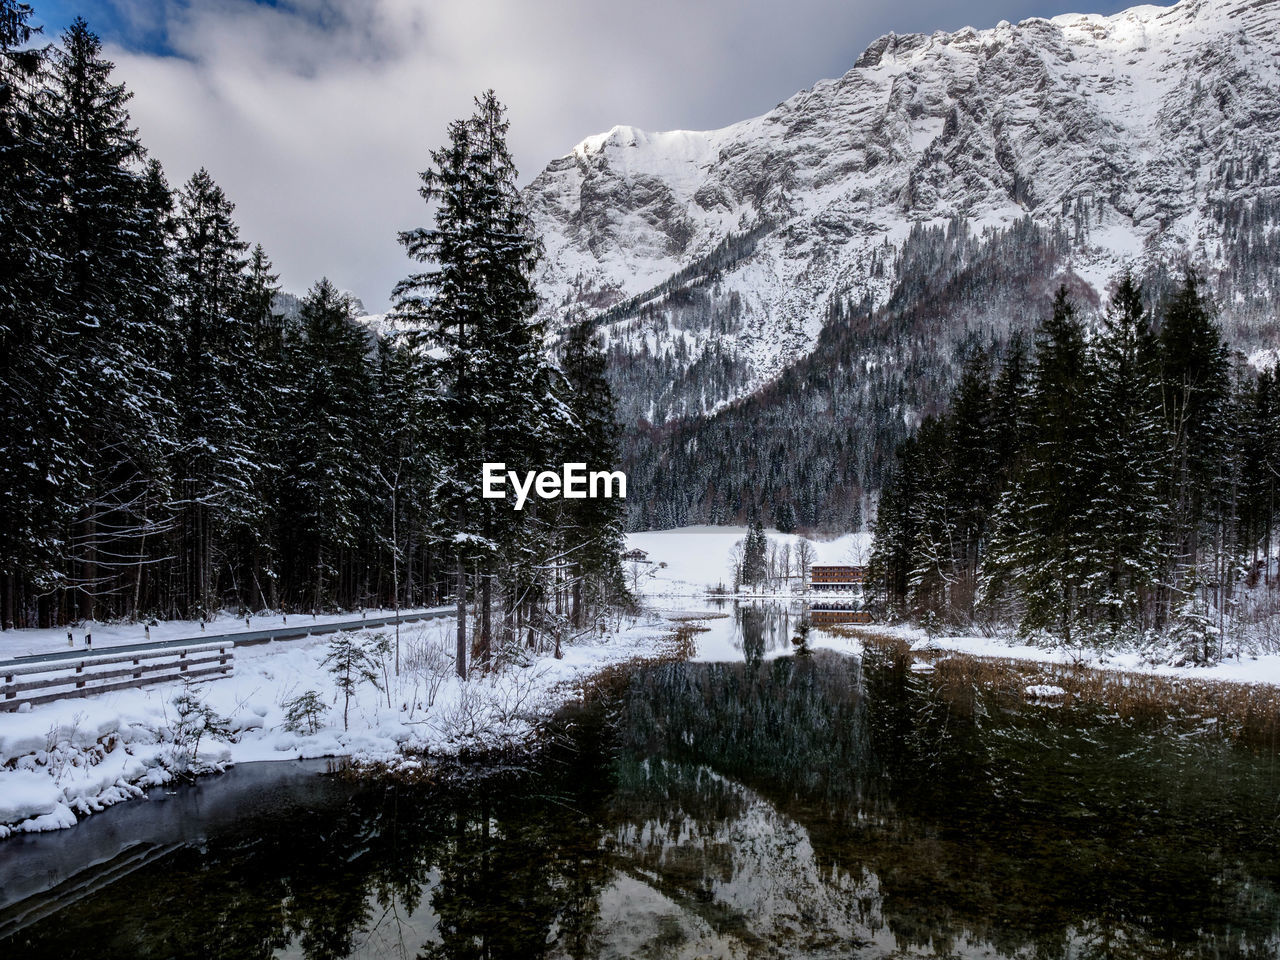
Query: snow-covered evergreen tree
[
  {"x": 38, "y": 475},
  {"x": 325, "y": 500},
  {"x": 109, "y": 237},
  {"x": 754, "y": 552},
  {"x": 1125, "y": 512},
  {"x": 213, "y": 360},
  {"x": 472, "y": 314},
  {"x": 593, "y": 539}
]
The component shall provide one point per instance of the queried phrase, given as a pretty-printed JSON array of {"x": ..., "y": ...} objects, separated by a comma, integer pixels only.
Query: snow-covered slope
[{"x": 1145, "y": 132}]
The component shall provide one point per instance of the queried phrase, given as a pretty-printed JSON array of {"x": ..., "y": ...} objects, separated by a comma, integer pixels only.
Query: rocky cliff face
[{"x": 1152, "y": 132}]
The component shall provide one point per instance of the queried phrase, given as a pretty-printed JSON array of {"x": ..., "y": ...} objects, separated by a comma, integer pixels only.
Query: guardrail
[
  {"x": 83, "y": 677},
  {"x": 75, "y": 673}
]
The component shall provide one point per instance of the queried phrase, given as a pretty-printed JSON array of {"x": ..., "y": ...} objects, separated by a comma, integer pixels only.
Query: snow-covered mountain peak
[{"x": 1137, "y": 132}]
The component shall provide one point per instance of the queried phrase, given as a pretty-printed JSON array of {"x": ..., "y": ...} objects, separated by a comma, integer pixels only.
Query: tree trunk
[
  {"x": 88, "y": 569},
  {"x": 486, "y": 617},
  {"x": 460, "y": 586}
]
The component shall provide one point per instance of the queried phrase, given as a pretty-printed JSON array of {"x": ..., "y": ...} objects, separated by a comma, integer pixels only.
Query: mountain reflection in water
[{"x": 794, "y": 807}]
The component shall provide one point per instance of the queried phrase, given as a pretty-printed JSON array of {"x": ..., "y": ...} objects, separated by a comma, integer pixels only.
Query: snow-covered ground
[
  {"x": 65, "y": 759},
  {"x": 689, "y": 561},
  {"x": 698, "y": 557},
  {"x": 722, "y": 641},
  {"x": 1249, "y": 668}
]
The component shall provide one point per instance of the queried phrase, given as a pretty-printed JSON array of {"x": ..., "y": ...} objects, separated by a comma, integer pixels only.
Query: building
[{"x": 836, "y": 579}]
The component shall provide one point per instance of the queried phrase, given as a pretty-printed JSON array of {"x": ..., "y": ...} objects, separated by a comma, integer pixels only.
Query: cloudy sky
[{"x": 315, "y": 115}]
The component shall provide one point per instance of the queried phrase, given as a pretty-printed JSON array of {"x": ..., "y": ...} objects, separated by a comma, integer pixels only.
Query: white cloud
[{"x": 316, "y": 115}]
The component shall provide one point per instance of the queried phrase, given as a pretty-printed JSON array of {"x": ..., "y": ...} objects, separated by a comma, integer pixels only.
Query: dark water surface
[{"x": 806, "y": 806}]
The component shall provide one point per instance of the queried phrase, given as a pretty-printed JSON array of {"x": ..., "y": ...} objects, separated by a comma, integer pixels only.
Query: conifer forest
[
  {"x": 1096, "y": 485},
  {"x": 179, "y": 438}
]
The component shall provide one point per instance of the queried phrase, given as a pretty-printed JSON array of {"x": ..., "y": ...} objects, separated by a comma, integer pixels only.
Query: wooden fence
[{"x": 83, "y": 676}]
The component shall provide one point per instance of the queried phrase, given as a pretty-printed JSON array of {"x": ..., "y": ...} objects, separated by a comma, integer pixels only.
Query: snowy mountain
[{"x": 1155, "y": 131}]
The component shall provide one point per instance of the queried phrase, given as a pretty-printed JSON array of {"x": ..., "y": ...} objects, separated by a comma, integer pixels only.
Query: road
[{"x": 303, "y": 627}]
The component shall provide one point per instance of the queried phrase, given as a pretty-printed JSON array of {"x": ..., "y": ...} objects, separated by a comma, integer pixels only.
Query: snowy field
[{"x": 697, "y": 558}]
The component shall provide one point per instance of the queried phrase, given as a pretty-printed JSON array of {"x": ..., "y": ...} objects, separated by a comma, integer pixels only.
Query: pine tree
[
  {"x": 1125, "y": 512},
  {"x": 969, "y": 481},
  {"x": 473, "y": 315},
  {"x": 152, "y": 306},
  {"x": 1042, "y": 524},
  {"x": 328, "y": 489},
  {"x": 784, "y": 517},
  {"x": 594, "y": 526},
  {"x": 403, "y": 463},
  {"x": 355, "y": 659},
  {"x": 1258, "y": 449},
  {"x": 113, "y": 265},
  {"x": 754, "y": 553},
  {"x": 37, "y": 465},
  {"x": 1195, "y": 391},
  {"x": 896, "y": 532},
  {"x": 936, "y": 555},
  {"x": 266, "y": 390},
  {"x": 213, "y": 360}
]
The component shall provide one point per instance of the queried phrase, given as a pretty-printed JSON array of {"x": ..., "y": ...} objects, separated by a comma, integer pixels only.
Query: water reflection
[
  {"x": 753, "y": 629},
  {"x": 785, "y": 806}
]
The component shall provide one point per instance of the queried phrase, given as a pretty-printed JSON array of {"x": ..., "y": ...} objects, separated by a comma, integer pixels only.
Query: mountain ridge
[{"x": 1146, "y": 138}]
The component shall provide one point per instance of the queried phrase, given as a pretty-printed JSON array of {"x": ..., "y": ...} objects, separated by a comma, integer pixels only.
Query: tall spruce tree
[
  {"x": 402, "y": 465},
  {"x": 472, "y": 311},
  {"x": 267, "y": 390},
  {"x": 213, "y": 362},
  {"x": 1195, "y": 391},
  {"x": 37, "y": 463},
  {"x": 1042, "y": 523},
  {"x": 754, "y": 553},
  {"x": 1125, "y": 513},
  {"x": 936, "y": 554},
  {"x": 896, "y": 530},
  {"x": 971, "y": 477},
  {"x": 109, "y": 276},
  {"x": 326, "y": 497},
  {"x": 594, "y": 526}
]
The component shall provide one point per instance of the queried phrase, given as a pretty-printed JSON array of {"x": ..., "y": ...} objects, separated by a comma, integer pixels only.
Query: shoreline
[
  {"x": 62, "y": 761},
  {"x": 85, "y": 765}
]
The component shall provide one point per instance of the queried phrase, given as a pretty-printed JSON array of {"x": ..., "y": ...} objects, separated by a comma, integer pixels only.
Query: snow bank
[
  {"x": 1260, "y": 668},
  {"x": 69, "y": 758},
  {"x": 27, "y": 793}
]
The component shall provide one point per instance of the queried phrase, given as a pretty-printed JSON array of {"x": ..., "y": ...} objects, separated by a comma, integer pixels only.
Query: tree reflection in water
[{"x": 800, "y": 806}]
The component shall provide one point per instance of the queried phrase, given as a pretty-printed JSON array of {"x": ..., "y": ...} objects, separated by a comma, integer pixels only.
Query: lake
[{"x": 755, "y": 803}]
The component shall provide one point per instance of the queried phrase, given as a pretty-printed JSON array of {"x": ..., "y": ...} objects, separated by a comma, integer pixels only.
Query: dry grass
[
  {"x": 676, "y": 647},
  {"x": 1245, "y": 712}
]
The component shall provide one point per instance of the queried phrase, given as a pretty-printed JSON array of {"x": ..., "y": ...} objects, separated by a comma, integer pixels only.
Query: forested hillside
[
  {"x": 785, "y": 297},
  {"x": 814, "y": 443}
]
